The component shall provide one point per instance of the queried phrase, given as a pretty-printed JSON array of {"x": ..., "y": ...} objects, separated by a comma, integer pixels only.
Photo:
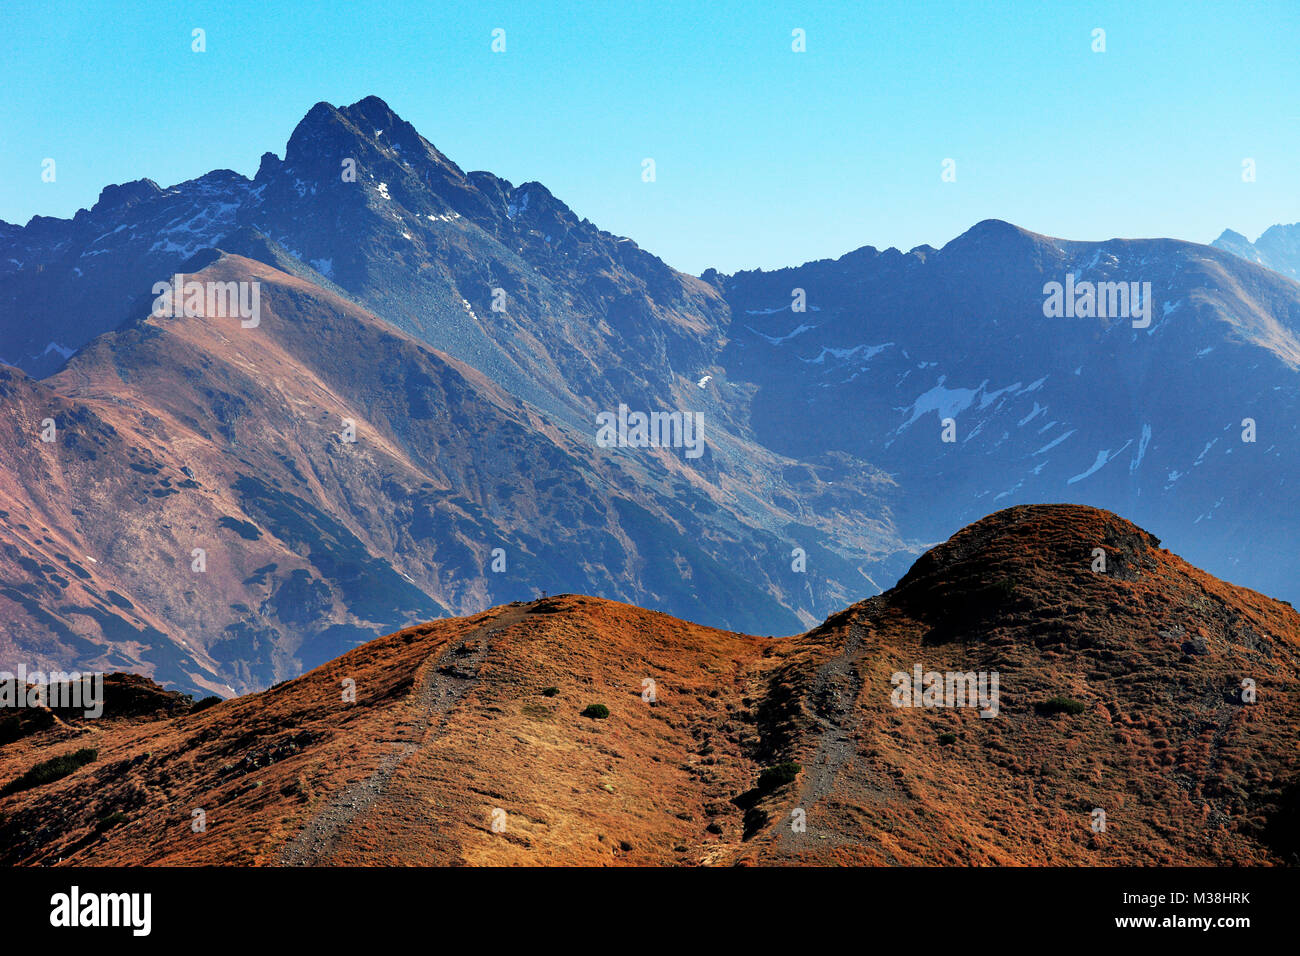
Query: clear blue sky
[{"x": 764, "y": 157}]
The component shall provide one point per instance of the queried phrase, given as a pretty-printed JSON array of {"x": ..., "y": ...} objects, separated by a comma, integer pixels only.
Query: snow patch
[
  {"x": 1052, "y": 444},
  {"x": 778, "y": 339},
  {"x": 946, "y": 402},
  {"x": 841, "y": 354},
  {"x": 1038, "y": 410},
  {"x": 514, "y": 209},
  {"x": 1103, "y": 456},
  {"x": 1141, "y": 449}
]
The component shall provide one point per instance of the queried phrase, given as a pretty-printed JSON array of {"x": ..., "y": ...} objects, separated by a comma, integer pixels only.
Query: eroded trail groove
[
  {"x": 834, "y": 695},
  {"x": 444, "y": 680}
]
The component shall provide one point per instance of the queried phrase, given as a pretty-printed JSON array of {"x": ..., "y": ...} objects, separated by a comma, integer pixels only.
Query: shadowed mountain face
[
  {"x": 1277, "y": 248},
  {"x": 471, "y": 331},
  {"x": 1142, "y": 714},
  {"x": 1188, "y": 424}
]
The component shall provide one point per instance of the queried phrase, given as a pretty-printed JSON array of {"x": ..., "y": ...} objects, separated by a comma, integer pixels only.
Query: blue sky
[{"x": 764, "y": 157}]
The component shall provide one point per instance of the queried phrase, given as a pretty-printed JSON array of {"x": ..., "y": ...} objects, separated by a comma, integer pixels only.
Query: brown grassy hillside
[{"x": 1119, "y": 691}]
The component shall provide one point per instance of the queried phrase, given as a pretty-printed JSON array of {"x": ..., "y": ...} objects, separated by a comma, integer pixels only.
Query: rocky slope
[{"x": 187, "y": 433}]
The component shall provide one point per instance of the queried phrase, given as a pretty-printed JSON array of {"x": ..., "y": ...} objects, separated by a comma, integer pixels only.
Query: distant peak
[
  {"x": 375, "y": 120},
  {"x": 1278, "y": 231},
  {"x": 993, "y": 230},
  {"x": 370, "y": 102},
  {"x": 322, "y": 126},
  {"x": 355, "y": 130},
  {"x": 374, "y": 111},
  {"x": 318, "y": 113},
  {"x": 269, "y": 164},
  {"x": 126, "y": 194}
]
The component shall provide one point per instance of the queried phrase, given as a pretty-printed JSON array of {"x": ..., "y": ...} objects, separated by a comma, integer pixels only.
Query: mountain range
[
  {"x": 1277, "y": 248},
  {"x": 408, "y": 430}
]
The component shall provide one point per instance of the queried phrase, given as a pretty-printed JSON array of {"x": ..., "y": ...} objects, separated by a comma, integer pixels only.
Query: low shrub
[
  {"x": 47, "y": 771},
  {"x": 779, "y": 775},
  {"x": 1062, "y": 705}
]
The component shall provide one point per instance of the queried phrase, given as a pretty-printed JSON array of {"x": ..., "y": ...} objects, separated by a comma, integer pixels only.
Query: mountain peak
[
  {"x": 126, "y": 194},
  {"x": 1062, "y": 534},
  {"x": 1277, "y": 248},
  {"x": 1281, "y": 238},
  {"x": 376, "y": 138},
  {"x": 322, "y": 128},
  {"x": 370, "y": 119},
  {"x": 372, "y": 115},
  {"x": 992, "y": 232}
]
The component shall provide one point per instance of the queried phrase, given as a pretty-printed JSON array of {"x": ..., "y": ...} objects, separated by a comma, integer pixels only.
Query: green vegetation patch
[{"x": 47, "y": 771}]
